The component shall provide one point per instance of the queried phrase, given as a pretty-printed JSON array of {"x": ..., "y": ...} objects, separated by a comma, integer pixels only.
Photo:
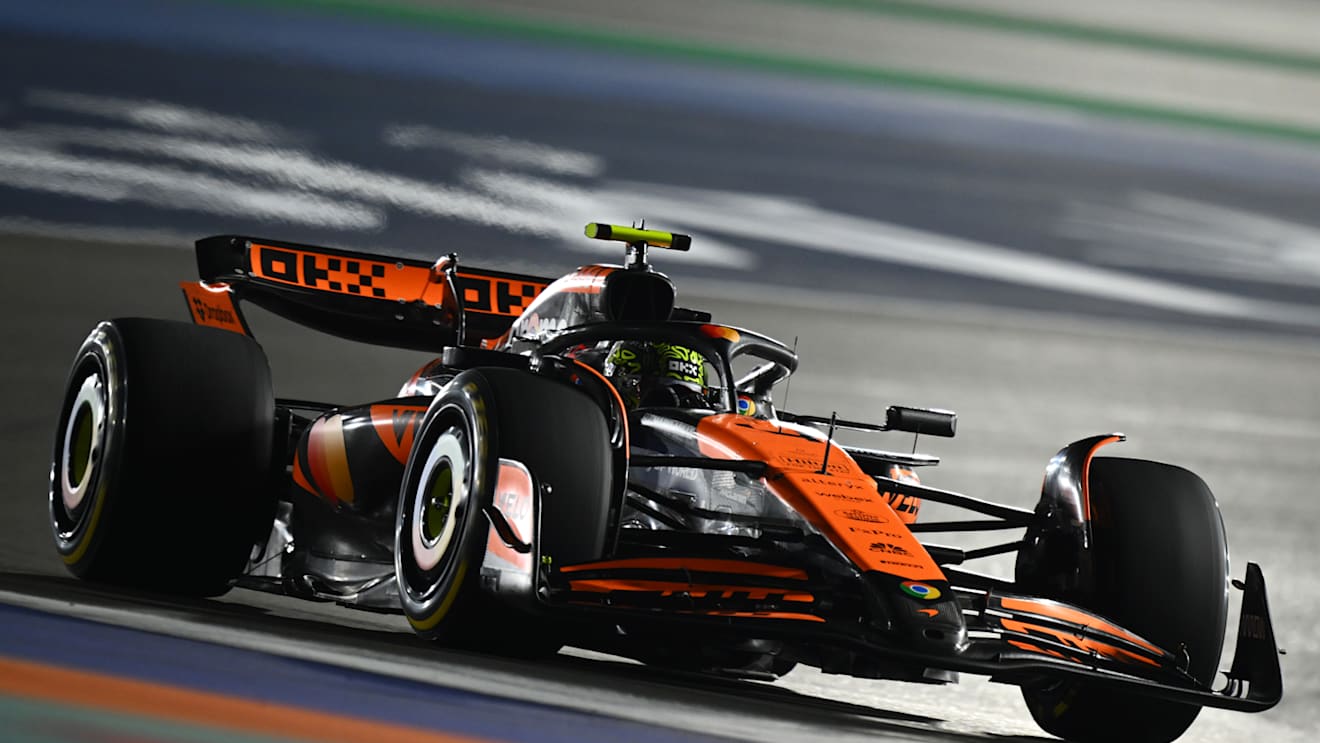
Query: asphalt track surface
[{"x": 1230, "y": 396}]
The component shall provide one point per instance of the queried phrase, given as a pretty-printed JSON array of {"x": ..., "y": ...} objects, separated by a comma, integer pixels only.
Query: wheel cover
[
  {"x": 83, "y": 444},
  {"x": 84, "y": 462},
  {"x": 440, "y": 503}
]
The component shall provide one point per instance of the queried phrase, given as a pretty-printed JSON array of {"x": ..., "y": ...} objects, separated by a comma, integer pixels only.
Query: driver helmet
[{"x": 657, "y": 374}]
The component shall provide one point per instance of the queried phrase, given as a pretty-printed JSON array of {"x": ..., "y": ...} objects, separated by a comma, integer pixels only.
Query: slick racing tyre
[
  {"x": 558, "y": 433},
  {"x": 1161, "y": 570},
  {"x": 438, "y": 536},
  {"x": 161, "y": 467}
]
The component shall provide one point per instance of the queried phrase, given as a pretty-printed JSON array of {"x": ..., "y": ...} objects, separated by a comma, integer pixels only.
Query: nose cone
[{"x": 922, "y": 615}]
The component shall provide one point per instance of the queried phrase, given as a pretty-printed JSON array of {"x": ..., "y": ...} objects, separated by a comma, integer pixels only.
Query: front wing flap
[
  {"x": 1058, "y": 645},
  {"x": 1012, "y": 639}
]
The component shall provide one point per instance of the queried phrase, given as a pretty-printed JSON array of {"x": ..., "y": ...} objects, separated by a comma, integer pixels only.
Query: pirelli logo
[{"x": 391, "y": 281}]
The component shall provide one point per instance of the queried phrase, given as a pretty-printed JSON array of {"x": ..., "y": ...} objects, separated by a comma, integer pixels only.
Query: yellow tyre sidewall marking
[
  {"x": 446, "y": 603},
  {"x": 86, "y": 541}
]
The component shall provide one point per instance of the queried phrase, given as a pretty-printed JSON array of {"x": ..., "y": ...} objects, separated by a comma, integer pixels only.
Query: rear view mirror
[{"x": 928, "y": 421}]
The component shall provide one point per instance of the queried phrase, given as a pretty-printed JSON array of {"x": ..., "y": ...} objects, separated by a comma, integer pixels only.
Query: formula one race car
[{"x": 586, "y": 463}]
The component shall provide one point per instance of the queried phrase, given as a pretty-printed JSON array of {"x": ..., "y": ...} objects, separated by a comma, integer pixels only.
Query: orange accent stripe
[
  {"x": 760, "y": 615},
  {"x": 1030, "y": 648},
  {"x": 703, "y": 589},
  {"x": 1055, "y": 610},
  {"x": 336, "y": 459},
  {"x": 160, "y": 702},
  {"x": 1133, "y": 656},
  {"x": 497, "y": 342},
  {"x": 623, "y": 411},
  {"x": 329, "y": 458},
  {"x": 299, "y": 478},
  {"x": 721, "y": 331},
  {"x": 751, "y": 614},
  {"x": 316, "y": 462},
  {"x": 586, "y": 280},
  {"x": 1086, "y": 475},
  {"x": 706, "y": 566},
  {"x": 1084, "y": 644}
]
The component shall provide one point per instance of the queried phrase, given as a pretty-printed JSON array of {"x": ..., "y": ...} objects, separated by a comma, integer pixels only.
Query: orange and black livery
[{"x": 584, "y": 461}]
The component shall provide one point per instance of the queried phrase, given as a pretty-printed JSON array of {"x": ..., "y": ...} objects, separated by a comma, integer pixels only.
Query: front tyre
[
  {"x": 161, "y": 466},
  {"x": 1161, "y": 570},
  {"x": 561, "y": 436},
  {"x": 439, "y": 534}
]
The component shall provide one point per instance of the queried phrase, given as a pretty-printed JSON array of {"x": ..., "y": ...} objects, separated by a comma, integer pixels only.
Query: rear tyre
[
  {"x": 1161, "y": 570},
  {"x": 160, "y": 471},
  {"x": 483, "y": 415}
]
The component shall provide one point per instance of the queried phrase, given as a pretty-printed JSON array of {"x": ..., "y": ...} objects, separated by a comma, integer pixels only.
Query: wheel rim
[
  {"x": 84, "y": 461},
  {"x": 83, "y": 444},
  {"x": 438, "y": 509},
  {"x": 437, "y": 505}
]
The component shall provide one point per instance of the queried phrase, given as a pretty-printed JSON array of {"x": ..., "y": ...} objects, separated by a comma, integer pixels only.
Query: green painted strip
[
  {"x": 544, "y": 31},
  {"x": 1082, "y": 32}
]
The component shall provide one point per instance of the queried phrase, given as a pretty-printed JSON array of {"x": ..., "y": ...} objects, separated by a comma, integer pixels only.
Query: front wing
[{"x": 1011, "y": 638}]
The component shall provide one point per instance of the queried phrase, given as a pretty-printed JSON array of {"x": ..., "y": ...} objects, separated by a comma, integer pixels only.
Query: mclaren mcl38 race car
[{"x": 585, "y": 463}]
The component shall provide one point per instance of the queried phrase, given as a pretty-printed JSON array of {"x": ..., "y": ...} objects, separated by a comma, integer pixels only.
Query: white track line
[
  {"x": 500, "y": 150},
  {"x": 170, "y": 188},
  {"x": 157, "y": 115},
  {"x": 801, "y": 224},
  {"x": 302, "y": 170},
  {"x": 536, "y": 206}
]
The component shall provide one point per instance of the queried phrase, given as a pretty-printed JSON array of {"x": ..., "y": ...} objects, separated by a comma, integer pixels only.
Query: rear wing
[{"x": 400, "y": 302}]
